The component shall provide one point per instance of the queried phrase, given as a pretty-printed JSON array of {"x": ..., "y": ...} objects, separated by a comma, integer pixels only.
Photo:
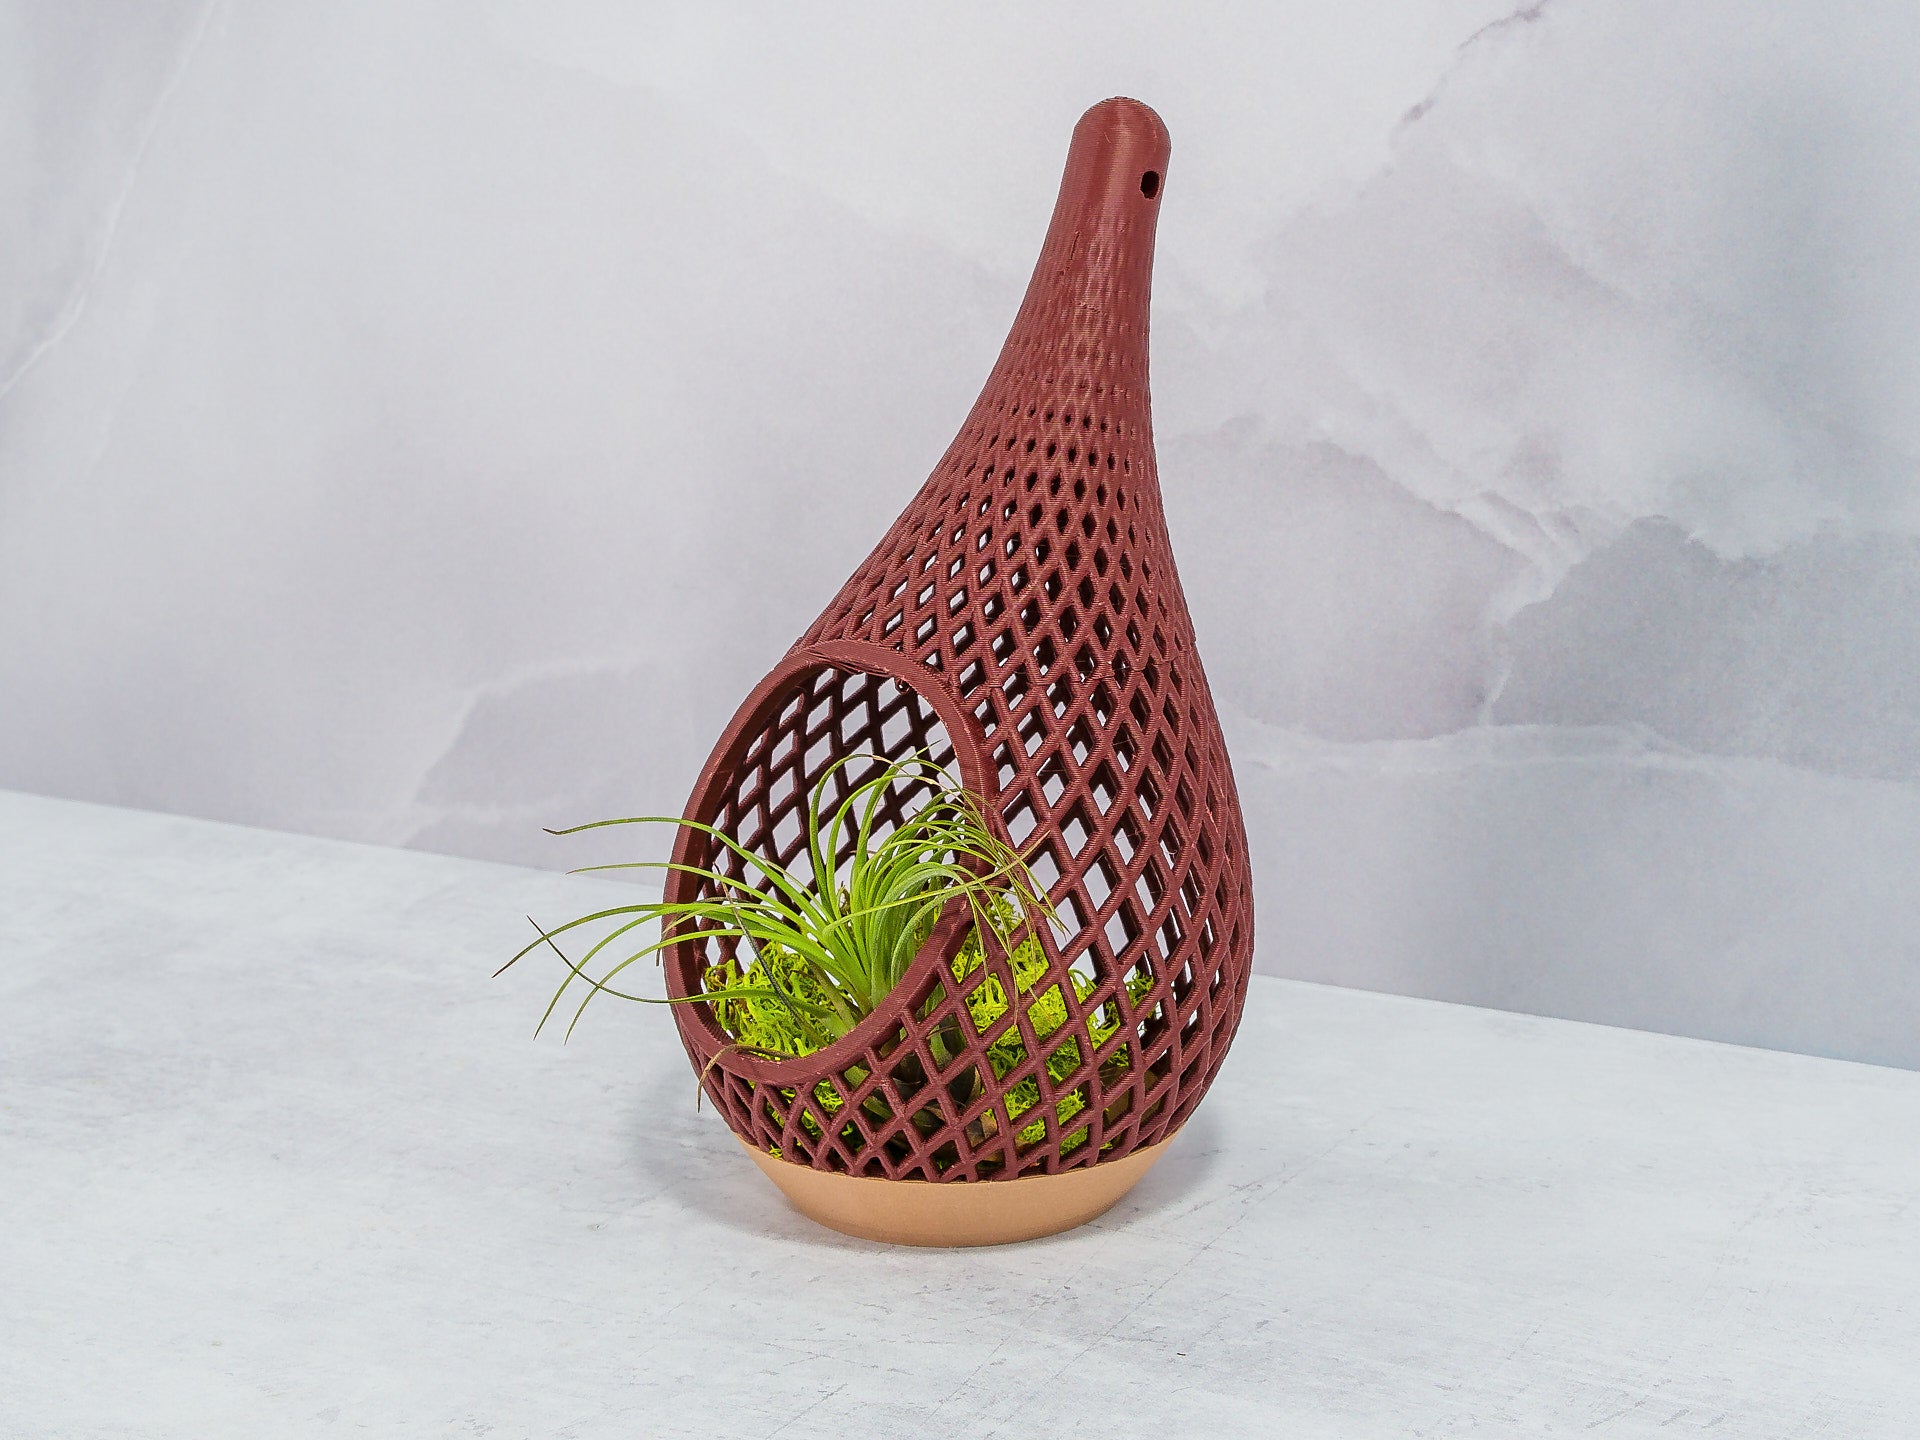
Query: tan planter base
[{"x": 987, "y": 1212}]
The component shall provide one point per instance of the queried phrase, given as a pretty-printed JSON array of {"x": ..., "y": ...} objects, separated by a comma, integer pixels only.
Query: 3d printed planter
[{"x": 1021, "y": 620}]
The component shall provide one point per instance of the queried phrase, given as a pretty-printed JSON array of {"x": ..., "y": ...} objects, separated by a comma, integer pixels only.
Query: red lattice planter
[{"x": 1023, "y": 622}]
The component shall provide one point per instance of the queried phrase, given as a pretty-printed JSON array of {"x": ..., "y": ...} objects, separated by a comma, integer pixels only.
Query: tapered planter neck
[{"x": 1081, "y": 331}]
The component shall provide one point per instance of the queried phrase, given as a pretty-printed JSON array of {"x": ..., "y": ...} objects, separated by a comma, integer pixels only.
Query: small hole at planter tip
[{"x": 1150, "y": 184}]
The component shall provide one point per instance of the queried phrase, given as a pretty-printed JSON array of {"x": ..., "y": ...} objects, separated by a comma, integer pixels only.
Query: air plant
[
  {"x": 826, "y": 944},
  {"x": 818, "y": 949}
]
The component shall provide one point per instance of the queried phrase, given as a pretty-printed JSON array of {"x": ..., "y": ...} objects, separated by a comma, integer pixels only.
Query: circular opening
[
  {"x": 786, "y": 774},
  {"x": 835, "y": 729},
  {"x": 1150, "y": 184}
]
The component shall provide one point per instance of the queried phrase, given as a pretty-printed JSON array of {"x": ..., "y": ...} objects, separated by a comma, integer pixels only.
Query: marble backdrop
[{"x": 421, "y": 422}]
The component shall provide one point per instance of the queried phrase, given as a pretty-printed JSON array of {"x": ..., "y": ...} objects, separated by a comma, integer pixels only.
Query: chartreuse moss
[
  {"x": 747, "y": 1014},
  {"x": 1047, "y": 1013}
]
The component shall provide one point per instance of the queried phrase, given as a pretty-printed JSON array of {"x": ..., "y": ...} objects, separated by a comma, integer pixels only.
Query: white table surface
[{"x": 277, "y": 1158}]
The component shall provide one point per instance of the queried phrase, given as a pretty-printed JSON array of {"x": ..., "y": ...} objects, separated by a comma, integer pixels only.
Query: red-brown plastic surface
[{"x": 1023, "y": 621}]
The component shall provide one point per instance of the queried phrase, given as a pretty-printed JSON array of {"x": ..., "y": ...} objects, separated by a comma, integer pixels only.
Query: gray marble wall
[{"x": 421, "y": 422}]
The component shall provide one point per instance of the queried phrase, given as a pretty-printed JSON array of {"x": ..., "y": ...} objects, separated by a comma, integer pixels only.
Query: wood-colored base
[{"x": 984, "y": 1212}]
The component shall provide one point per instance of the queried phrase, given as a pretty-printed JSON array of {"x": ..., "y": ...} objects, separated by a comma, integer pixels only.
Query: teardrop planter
[{"x": 1023, "y": 623}]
